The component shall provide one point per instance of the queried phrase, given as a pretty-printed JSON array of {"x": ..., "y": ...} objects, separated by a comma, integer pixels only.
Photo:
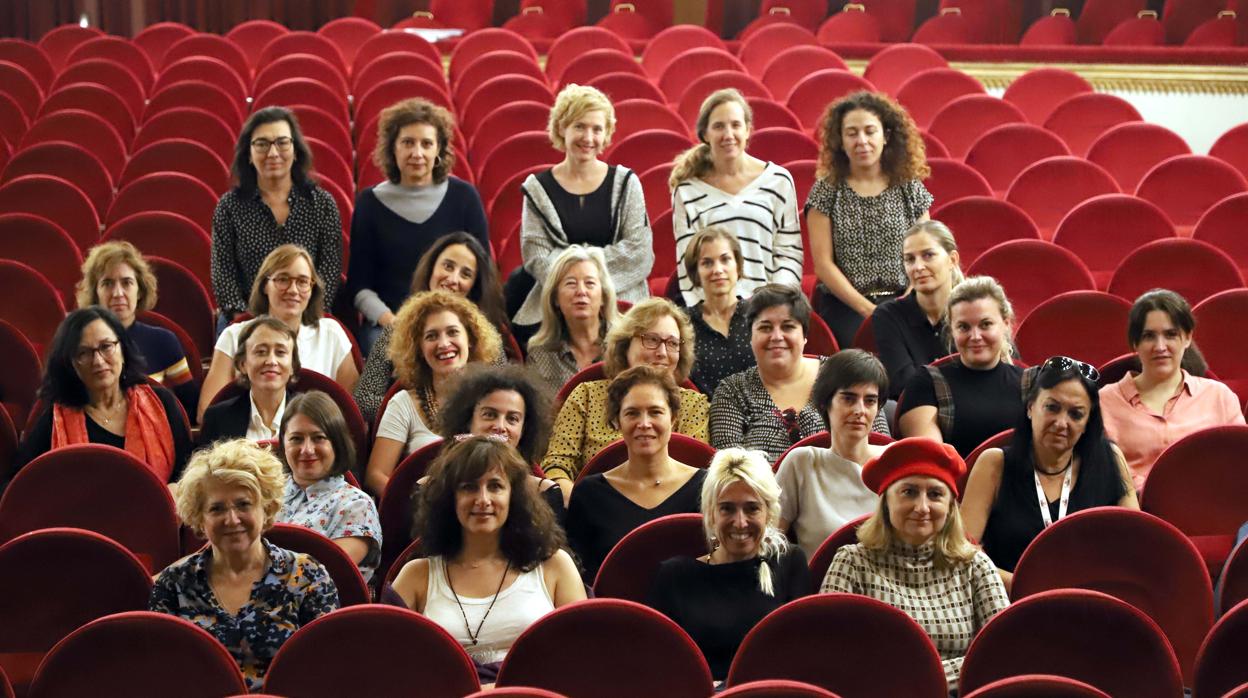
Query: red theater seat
[
  {"x": 982, "y": 222},
  {"x": 697, "y": 91},
  {"x": 1014, "y": 264},
  {"x": 19, "y": 382},
  {"x": 43, "y": 245},
  {"x": 199, "y": 94},
  {"x": 760, "y": 46},
  {"x": 852, "y": 25},
  {"x": 296, "y": 42},
  {"x": 671, "y": 42},
  {"x": 491, "y": 65},
  {"x": 30, "y": 57},
  {"x": 580, "y": 40},
  {"x": 1005, "y": 151},
  {"x": 1038, "y": 685},
  {"x": 1088, "y": 325},
  {"x": 924, "y": 94},
  {"x": 40, "y": 311},
  {"x": 1047, "y": 190},
  {"x": 348, "y": 34},
  {"x": 212, "y": 46},
  {"x": 628, "y": 570},
  {"x": 691, "y": 64},
  {"x": 21, "y": 87},
  {"x": 1142, "y": 30},
  {"x": 592, "y": 64},
  {"x": 636, "y": 115},
  {"x": 500, "y": 91},
  {"x": 469, "y": 16},
  {"x": 61, "y": 40},
  {"x": 252, "y": 36},
  {"x": 483, "y": 41},
  {"x": 1038, "y": 91},
  {"x": 179, "y": 155},
  {"x": 1219, "y": 671},
  {"x": 390, "y": 41},
  {"x": 1223, "y": 227},
  {"x": 203, "y": 127},
  {"x": 1099, "y": 17},
  {"x": 1193, "y": 269},
  {"x": 952, "y": 180},
  {"x": 1185, "y": 186},
  {"x": 1218, "y": 322},
  {"x": 300, "y": 65},
  {"x": 637, "y": 21},
  {"x": 1104, "y": 229},
  {"x": 810, "y": 97},
  {"x": 960, "y": 123},
  {"x": 95, "y": 99},
  {"x": 646, "y": 149},
  {"x": 1058, "y": 29},
  {"x": 395, "y": 508},
  {"x": 787, "y": 67},
  {"x": 624, "y": 86},
  {"x": 889, "y": 69},
  {"x": 841, "y": 537},
  {"x": 82, "y": 128},
  {"x": 57, "y": 200},
  {"x": 205, "y": 69},
  {"x": 1232, "y": 148},
  {"x": 1080, "y": 119},
  {"x": 1128, "y": 151},
  {"x": 118, "y": 50}
]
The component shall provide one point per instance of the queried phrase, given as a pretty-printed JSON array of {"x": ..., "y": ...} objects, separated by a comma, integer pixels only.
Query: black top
[
  {"x": 385, "y": 247},
  {"x": 905, "y": 340},
  {"x": 163, "y": 352},
  {"x": 718, "y": 604},
  {"x": 1015, "y": 516},
  {"x": 718, "y": 356},
  {"x": 586, "y": 218},
  {"x": 600, "y": 515},
  {"x": 985, "y": 403},
  {"x": 38, "y": 440}
]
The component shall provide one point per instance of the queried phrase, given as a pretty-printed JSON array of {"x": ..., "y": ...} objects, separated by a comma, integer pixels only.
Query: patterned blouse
[
  {"x": 867, "y": 231},
  {"x": 335, "y": 509},
  {"x": 951, "y": 604},
  {"x": 581, "y": 429},
  {"x": 719, "y": 356},
  {"x": 554, "y": 365},
  {"x": 295, "y": 591}
]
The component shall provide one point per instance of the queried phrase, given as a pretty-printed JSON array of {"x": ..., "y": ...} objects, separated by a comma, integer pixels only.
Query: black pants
[{"x": 843, "y": 320}]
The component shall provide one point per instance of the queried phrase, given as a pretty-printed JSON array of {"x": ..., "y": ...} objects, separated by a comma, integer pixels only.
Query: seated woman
[
  {"x": 95, "y": 390},
  {"x": 718, "y": 183},
  {"x": 978, "y": 394},
  {"x": 248, "y": 593},
  {"x": 821, "y": 489},
  {"x": 289, "y": 289},
  {"x": 655, "y": 333},
  {"x": 1166, "y": 399},
  {"x": 1059, "y": 448},
  {"x": 396, "y": 223},
  {"x": 116, "y": 276},
  {"x": 316, "y": 451},
  {"x": 913, "y": 553},
  {"x": 721, "y": 330},
  {"x": 643, "y": 403},
  {"x": 457, "y": 264},
  {"x": 504, "y": 402},
  {"x": 435, "y": 335},
  {"x": 751, "y": 569},
  {"x": 767, "y": 407},
  {"x": 266, "y": 362},
  {"x": 495, "y": 556},
  {"x": 912, "y": 331},
  {"x": 578, "y": 307},
  {"x": 581, "y": 200}
]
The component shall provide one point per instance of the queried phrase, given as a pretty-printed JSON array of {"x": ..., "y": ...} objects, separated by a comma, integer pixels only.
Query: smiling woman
[{"x": 266, "y": 362}]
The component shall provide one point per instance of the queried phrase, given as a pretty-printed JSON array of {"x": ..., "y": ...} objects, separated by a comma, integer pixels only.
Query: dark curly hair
[
  {"x": 485, "y": 292},
  {"x": 904, "y": 157},
  {"x": 405, "y": 113},
  {"x": 477, "y": 381},
  {"x": 61, "y": 384},
  {"x": 241, "y": 168},
  {"x": 529, "y": 536}
]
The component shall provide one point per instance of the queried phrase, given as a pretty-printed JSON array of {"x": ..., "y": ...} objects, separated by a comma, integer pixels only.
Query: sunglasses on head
[{"x": 1063, "y": 364}]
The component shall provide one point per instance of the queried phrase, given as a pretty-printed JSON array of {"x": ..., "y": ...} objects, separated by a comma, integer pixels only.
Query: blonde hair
[
  {"x": 240, "y": 463},
  {"x": 696, "y": 161},
  {"x": 553, "y": 332},
  {"x": 944, "y": 237},
  {"x": 951, "y": 544},
  {"x": 484, "y": 344},
  {"x": 637, "y": 320},
  {"x": 105, "y": 256},
  {"x": 693, "y": 252},
  {"x": 975, "y": 288},
  {"x": 279, "y": 258},
  {"x": 573, "y": 102},
  {"x": 732, "y": 465}
]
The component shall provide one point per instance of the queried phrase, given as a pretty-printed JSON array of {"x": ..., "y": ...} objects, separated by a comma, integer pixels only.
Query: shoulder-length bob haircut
[
  {"x": 553, "y": 332},
  {"x": 630, "y": 378},
  {"x": 574, "y": 102},
  {"x": 904, "y": 157},
  {"x": 405, "y": 113},
  {"x": 485, "y": 291},
  {"x": 530, "y": 534},
  {"x": 324, "y": 413},
  {"x": 242, "y": 169},
  {"x": 237, "y": 462},
  {"x": 240, "y": 351},
  {"x": 732, "y": 465},
  {"x": 476, "y": 382},
  {"x": 1180, "y": 313},
  {"x": 772, "y": 295},
  {"x": 61, "y": 384},
  {"x": 844, "y": 369},
  {"x": 975, "y": 288},
  {"x": 103, "y": 257},
  {"x": 640, "y": 318},
  {"x": 484, "y": 343},
  {"x": 258, "y": 303},
  {"x": 693, "y": 252},
  {"x": 952, "y": 546}
]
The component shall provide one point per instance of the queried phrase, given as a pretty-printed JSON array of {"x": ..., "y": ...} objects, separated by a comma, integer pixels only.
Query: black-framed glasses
[
  {"x": 283, "y": 282},
  {"x": 1062, "y": 364},
  {"x": 650, "y": 340},
  {"x": 262, "y": 145},
  {"x": 106, "y": 350}
]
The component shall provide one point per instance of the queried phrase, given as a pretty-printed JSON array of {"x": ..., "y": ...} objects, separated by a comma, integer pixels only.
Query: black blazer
[{"x": 227, "y": 419}]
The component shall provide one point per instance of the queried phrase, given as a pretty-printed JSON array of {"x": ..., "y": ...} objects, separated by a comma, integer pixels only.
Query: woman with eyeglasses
[
  {"x": 767, "y": 407},
  {"x": 95, "y": 390},
  {"x": 652, "y": 333},
  {"x": 1059, "y": 461},
  {"x": 275, "y": 201},
  {"x": 289, "y": 288}
]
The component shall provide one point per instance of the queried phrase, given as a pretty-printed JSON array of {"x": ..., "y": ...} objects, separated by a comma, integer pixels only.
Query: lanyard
[{"x": 1063, "y": 502}]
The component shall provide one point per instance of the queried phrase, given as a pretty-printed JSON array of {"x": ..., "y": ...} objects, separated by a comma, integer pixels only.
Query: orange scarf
[{"x": 148, "y": 436}]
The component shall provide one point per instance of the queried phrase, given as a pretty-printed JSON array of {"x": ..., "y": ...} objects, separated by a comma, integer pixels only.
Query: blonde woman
[
  {"x": 718, "y": 183},
  {"x": 582, "y": 200},
  {"x": 578, "y": 306},
  {"x": 435, "y": 335},
  {"x": 978, "y": 393},
  {"x": 912, "y": 553},
  {"x": 750, "y": 571}
]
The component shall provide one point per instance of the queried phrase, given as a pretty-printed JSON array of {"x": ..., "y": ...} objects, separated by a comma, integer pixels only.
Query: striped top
[{"x": 763, "y": 216}]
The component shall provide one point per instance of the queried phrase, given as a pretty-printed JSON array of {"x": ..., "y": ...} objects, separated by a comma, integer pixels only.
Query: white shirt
[
  {"x": 402, "y": 422},
  {"x": 322, "y": 347},
  {"x": 820, "y": 492},
  {"x": 257, "y": 430}
]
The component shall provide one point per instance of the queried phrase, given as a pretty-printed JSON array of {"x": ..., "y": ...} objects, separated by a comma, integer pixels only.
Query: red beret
[{"x": 914, "y": 456}]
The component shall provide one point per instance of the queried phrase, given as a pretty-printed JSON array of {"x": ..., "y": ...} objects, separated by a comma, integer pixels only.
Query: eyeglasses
[
  {"x": 262, "y": 145},
  {"x": 652, "y": 341},
  {"x": 283, "y": 282},
  {"x": 86, "y": 356},
  {"x": 1062, "y": 364},
  {"x": 788, "y": 419}
]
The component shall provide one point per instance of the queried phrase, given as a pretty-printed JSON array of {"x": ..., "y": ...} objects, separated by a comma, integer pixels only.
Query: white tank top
[{"x": 521, "y": 603}]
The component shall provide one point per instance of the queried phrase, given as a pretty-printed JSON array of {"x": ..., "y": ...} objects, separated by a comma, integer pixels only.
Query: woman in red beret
[{"x": 913, "y": 554}]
